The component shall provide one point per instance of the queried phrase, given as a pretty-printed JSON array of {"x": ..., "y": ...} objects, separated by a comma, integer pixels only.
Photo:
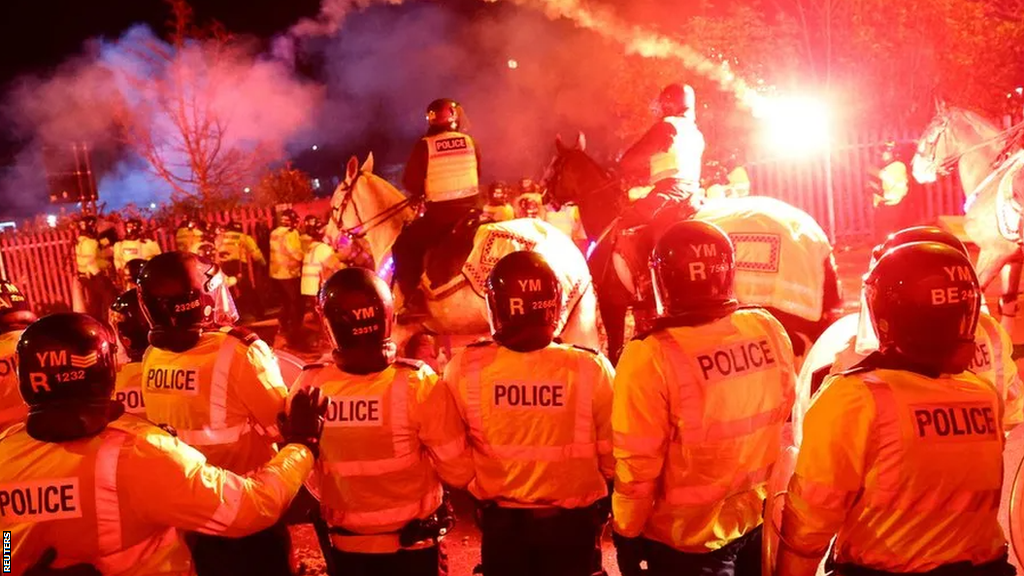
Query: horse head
[
  {"x": 366, "y": 206},
  {"x": 952, "y": 134}
]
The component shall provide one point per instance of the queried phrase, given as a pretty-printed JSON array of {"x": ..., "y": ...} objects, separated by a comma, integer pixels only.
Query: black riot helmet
[
  {"x": 87, "y": 226},
  {"x": 66, "y": 374},
  {"x": 524, "y": 301},
  {"x": 693, "y": 267},
  {"x": 134, "y": 269},
  {"x": 15, "y": 313},
  {"x": 130, "y": 324},
  {"x": 133, "y": 229},
  {"x": 677, "y": 99},
  {"x": 924, "y": 302},
  {"x": 288, "y": 218},
  {"x": 358, "y": 311},
  {"x": 445, "y": 113},
  {"x": 313, "y": 227},
  {"x": 233, "y": 226},
  {"x": 918, "y": 234},
  {"x": 182, "y": 294}
]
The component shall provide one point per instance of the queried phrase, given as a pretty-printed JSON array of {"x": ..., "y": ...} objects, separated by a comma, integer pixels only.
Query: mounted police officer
[
  {"x": 538, "y": 414},
  {"x": 393, "y": 433},
  {"x": 902, "y": 456},
  {"x": 444, "y": 170},
  {"x": 667, "y": 157},
  {"x": 699, "y": 407}
]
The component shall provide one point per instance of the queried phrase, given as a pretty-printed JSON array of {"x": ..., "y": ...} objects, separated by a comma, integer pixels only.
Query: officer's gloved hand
[
  {"x": 305, "y": 420},
  {"x": 42, "y": 567},
  {"x": 629, "y": 553}
]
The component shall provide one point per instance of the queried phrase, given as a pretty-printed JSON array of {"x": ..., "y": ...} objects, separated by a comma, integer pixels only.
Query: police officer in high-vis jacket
[
  {"x": 286, "y": 273},
  {"x": 133, "y": 246},
  {"x": 444, "y": 170},
  {"x": 902, "y": 456},
  {"x": 15, "y": 316},
  {"x": 392, "y": 435},
  {"x": 852, "y": 338},
  {"x": 220, "y": 387},
  {"x": 699, "y": 407},
  {"x": 538, "y": 414},
  {"x": 132, "y": 332},
  {"x": 110, "y": 489},
  {"x": 667, "y": 157}
]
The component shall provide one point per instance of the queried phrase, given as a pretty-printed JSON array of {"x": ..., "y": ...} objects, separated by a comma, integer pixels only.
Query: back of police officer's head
[
  {"x": 130, "y": 324},
  {"x": 917, "y": 234},
  {"x": 181, "y": 295},
  {"x": 66, "y": 374},
  {"x": 924, "y": 301},
  {"x": 693, "y": 266},
  {"x": 15, "y": 313},
  {"x": 357, "y": 311},
  {"x": 524, "y": 302}
]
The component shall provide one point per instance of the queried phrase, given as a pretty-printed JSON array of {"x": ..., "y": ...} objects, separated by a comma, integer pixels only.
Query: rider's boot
[{"x": 414, "y": 307}]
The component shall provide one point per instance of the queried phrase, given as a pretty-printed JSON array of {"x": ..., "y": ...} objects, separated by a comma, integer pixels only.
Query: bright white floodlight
[{"x": 794, "y": 126}]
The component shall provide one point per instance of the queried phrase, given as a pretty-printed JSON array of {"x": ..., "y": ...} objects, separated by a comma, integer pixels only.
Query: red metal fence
[{"x": 803, "y": 183}]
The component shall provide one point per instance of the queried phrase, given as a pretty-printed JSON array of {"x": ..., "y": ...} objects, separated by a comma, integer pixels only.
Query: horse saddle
[
  {"x": 444, "y": 261},
  {"x": 633, "y": 247}
]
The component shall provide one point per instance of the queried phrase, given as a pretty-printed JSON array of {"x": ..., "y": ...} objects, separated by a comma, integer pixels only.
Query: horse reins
[{"x": 365, "y": 226}]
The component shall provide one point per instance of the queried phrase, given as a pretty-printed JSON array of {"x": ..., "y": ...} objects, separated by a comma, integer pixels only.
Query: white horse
[{"x": 368, "y": 206}]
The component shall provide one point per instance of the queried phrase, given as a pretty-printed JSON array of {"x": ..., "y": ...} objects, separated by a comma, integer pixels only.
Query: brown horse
[
  {"x": 784, "y": 259},
  {"x": 973, "y": 145}
]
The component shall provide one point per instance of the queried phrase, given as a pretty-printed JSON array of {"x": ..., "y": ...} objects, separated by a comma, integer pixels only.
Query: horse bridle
[
  {"x": 947, "y": 166},
  {"x": 555, "y": 173},
  {"x": 364, "y": 226}
]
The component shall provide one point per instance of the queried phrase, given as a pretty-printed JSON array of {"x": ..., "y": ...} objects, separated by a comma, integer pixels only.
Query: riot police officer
[
  {"x": 538, "y": 414},
  {"x": 699, "y": 407},
  {"x": 219, "y": 386},
  {"x": 15, "y": 316},
  {"x": 498, "y": 208},
  {"x": 286, "y": 272},
  {"x": 132, "y": 332},
  {"x": 383, "y": 501},
  {"x": 113, "y": 490},
  {"x": 902, "y": 456},
  {"x": 133, "y": 246}
]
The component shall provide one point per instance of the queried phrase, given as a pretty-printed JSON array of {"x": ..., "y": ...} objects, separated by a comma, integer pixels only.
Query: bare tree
[{"x": 180, "y": 123}]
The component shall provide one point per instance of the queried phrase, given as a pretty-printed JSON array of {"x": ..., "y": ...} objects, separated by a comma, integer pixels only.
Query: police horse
[
  {"x": 784, "y": 260},
  {"x": 368, "y": 207},
  {"x": 989, "y": 163}
]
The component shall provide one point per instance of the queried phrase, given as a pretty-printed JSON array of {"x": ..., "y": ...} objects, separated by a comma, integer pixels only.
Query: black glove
[
  {"x": 42, "y": 567},
  {"x": 629, "y": 552},
  {"x": 305, "y": 420}
]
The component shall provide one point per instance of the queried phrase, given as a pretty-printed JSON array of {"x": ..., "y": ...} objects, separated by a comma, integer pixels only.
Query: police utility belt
[{"x": 418, "y": 530}]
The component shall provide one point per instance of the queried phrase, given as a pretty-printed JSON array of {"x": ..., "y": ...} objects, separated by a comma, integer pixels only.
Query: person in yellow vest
[
  {"x": 220, "y": 387},
  {"x": 667, "y": 157},
  {"x": 235, "y": 250},
  {"x": 134, "y": 246},
  {"x": 699, "y": 407},
  {"x": 97, "y": 287},
  {"x": 902, "y": 456},
  {"x": 538, "y": 414},
  {"x": 190, "y": 230},
  {"x": 530, "y": 205},
  {"x": 443, "y": 170},
  {"x": 851, "y": 339},
  {"x": 286, "y": 272},
  {"x": 318, "y": 253},
  {"x": 889, "y": 187},
  {"x": 112, "y": 493},
  {"x": 132, "y": 332},
  {"x": 15, "y": 316},
  {"x": 567, "y": 219},
  {"x": 392, "y": 434},
  {"x": 498, "y": 208}
]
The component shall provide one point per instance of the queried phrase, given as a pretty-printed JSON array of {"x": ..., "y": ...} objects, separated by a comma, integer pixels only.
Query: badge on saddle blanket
[{"x": 494, "y": 241}]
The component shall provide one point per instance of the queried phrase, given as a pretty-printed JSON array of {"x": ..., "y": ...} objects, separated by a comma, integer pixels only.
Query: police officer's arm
[
  {"x": 829, "y": 472},
  {"x": 118, "y": 256},
  {"x": 260, "y": 386},
  {"x": 166, "y": 482},
  {"x": 637, "y": 160},
  {"x": 414, "y": 179},
  {"x": 250, "y": 246},
  {"x": 293, "y": 245},
  {"x": 150, "y": 249},
  {"x": 603, "y": 415},
  {"x": 441, "y": 429},
  {"x": 641, "y": 428}
]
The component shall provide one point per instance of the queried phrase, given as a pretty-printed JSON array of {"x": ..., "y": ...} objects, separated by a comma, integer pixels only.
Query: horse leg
[
  {"x": 613, "y": 315},
  {"x": 581, "y": 325},
  {"x": 1010, "y": 280}
]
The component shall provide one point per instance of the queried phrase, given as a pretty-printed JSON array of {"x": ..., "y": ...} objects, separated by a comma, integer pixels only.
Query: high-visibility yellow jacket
[
  {"x": 222, "y": 396},
  {"x": 539, "y": 423},
  {"x": 387, "y": 438},
  {"x": 285, "y": 254},
  {"x": 238, "y": 246},
  {"x": 12, "y": 408},
  {"x": 499, "y": 213},
  {"x": 313, "y": 267},
  {"x": 682, "y": 160},
  {"x": 86, "y": 256},
  {"x": 127, "y": 250},
  {"x": 122, "y": 499},
  {"x": 906, "y": 469},
  {"x": 698, "y": 419},
  {"x": 128, "y": 388}
]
